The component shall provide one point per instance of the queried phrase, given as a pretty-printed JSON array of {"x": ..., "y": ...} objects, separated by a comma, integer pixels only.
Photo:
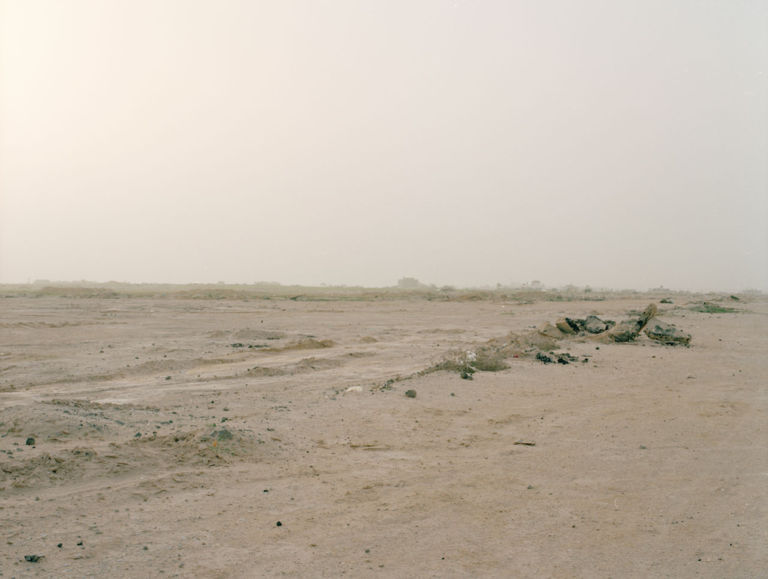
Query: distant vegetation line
[{"x": 267, "y": 291}]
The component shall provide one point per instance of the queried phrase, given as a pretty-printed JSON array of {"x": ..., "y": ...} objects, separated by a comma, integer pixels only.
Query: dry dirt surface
[{"x": 167, "y": 437}]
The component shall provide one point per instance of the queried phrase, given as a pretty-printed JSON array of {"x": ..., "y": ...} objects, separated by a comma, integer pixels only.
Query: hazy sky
[{"x": 611, "y": 143}]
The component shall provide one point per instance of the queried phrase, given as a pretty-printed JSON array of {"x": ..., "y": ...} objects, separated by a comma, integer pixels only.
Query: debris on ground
[
  {"x": 595, "y": 325},
  {"x": 628, "y": 330},
  {"x": 566, "y": 358},
  {"x": 667, "y": 333},
  {"x": 589, "y": 325},
  {"x": 541, "y": 343},
  {"x": 559, "y": 357}
]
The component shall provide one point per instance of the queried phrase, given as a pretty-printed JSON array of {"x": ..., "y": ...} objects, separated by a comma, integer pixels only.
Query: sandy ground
[{"x": 259, "y": 438}]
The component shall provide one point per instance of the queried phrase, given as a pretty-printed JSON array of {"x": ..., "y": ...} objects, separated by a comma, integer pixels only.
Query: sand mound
[
  {"x": 46, "y": 468},
  {"x": 210, "y": 447},
  {"x": 252, "y": 334},
  {"x": 304, "y": 365}
]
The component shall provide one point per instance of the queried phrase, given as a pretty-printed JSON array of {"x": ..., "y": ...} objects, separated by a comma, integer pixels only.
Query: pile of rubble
[
  {"x": 625, "y": 331},
  {"x": 541, "y": 344}
]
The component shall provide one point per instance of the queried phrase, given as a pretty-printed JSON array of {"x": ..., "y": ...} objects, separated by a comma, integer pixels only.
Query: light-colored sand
[{"x": 167, "y": 451}]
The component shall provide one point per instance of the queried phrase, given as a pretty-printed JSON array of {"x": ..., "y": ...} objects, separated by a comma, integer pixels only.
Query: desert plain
[{"x": 236, "y": 433}]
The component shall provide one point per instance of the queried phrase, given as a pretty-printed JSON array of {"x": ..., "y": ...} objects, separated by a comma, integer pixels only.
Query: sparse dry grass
[{"x": 276, "y": 291}]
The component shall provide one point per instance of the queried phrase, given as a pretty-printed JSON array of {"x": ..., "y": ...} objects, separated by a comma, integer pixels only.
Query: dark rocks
[
  {"x": 628, "y": 330},
  {"x": 30, "y": 441},
  {"x": 564, "y": 325},
  {"x": 566, "y": 358},
  {"x": 576, "y": 325},
  {"x": 625, "y": 331},
  {"x": 559, "y": 357},
  {"x": 591, "y": 324},
  {"x": 595, "y": 325},
  {"x": 667, "y": 334}
]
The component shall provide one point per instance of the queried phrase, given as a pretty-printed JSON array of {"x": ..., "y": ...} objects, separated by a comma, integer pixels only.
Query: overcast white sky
[{"x": 612, "y": 143}]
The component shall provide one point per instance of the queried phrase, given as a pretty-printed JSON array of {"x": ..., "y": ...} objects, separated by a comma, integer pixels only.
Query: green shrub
[{"x": 710, "y": 308}]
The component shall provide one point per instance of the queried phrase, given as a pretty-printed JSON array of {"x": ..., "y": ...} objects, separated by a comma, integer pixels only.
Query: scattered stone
[
  {"x": 30, "y": 441},
  {"x": 566, "y": 358},
  {"x": 410, "y": 393},
  {"x": 667, "y": 334}
]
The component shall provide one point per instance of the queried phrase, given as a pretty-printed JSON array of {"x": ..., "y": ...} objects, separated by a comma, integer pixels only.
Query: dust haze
[
  {"x": 492, "y": 297},
  {"x": 612, "y": 144}
]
